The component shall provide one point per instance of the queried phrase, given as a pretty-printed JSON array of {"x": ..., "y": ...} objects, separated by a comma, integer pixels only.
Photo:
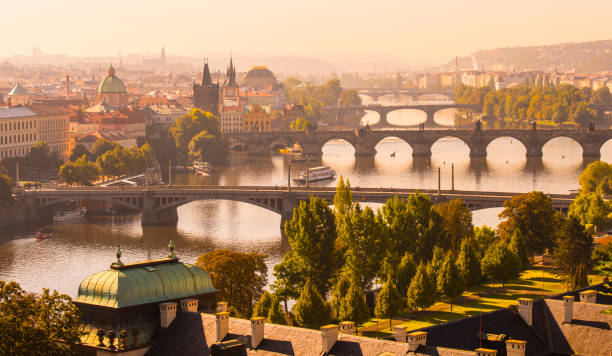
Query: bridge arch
[
  {"x": 133, "y": 203},
  {"x": 271, "y": 204},
  {"x": 415, "y": 115},
  {"x": 564, "y": 135},
  {"x": 441, "y": 139},
  {"x": 501, "y": 137},
  {"x": 371, "y": 117}
]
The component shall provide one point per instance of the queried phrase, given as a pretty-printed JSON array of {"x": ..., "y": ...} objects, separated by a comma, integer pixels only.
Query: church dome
[
  {"x": 141, "y": 283},
  {"x": 111, "y": 84},
  {"x": 259, "y": 72}
]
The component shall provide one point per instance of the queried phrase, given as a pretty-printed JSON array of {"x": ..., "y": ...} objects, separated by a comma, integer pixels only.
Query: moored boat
[
  {"x": 316, "y": 174},
  {"x": 62, "y": 216}
]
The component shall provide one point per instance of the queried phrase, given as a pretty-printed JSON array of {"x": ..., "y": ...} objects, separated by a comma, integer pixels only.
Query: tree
[
  {"x": 33, "y": 324},
  {"x": 240, "y": 277},
  {"x": 262, "y": 307},
  {"x": 596, "y": 178},
  {"x": 591, "y": 210},
  {"x": 340, "y": 290},
  {"x": 500, "y": 264},
  {"x": 468, "y": 262},
  {"x": 602, "y": 259},
  {"x": 450, "y": 284},
  {"x": 484, "y": 237},
  {"x": 457, "y": 220},
  {"x": 310, "y": 309},
  {"x": 100, "y": 147},
  {"x": 601, "y": 96},
  {"x": 573, "y": 253},
  {"x": 312, "y": 237},
  {"x": 275, "y": 314},
  {"x": 353, "y": 306},
  {"x": 388, "y": 302},
  {"x": 421, "y": 291},
  {"x": 300, "y": 124},
  {"x": 517, "y": 245},
  {"x": 209, "y": 148},
  {"x": 6, "y": 188},
  {"x": 583, "y": 114},
  {"x": 533, "y": 216},
  {"x": 560, "y": 113},
  {"x": 188, "y": 126},
  {"x": 78, "y": 151},
  {"x": 350, "y": 97},
  {"x": 81, "y": 172},
  {"x": 40, "y": 156},
  {"x": 405, "y": 272}
]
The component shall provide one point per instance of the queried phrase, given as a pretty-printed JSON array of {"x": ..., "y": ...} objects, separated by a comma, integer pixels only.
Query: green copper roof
[
  {"x": 111, "y": 84},
  {"x": 156, "y": 281},
  {"x": 18, "y": 90}
]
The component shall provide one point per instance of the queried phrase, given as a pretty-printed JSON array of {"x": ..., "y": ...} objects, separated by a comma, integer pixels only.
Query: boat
[
  {"x": 200, "y": 166},
  {"x": 43, "y": 235},
  {"x": 62, "y": 216},
  {"x": 316, "y": 174}
]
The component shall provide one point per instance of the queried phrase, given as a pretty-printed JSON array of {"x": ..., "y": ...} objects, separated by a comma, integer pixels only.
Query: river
[{"x": 85, "y": 247}]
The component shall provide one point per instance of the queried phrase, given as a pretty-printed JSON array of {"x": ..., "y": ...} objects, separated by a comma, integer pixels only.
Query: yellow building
[{"x": 257, "y": 119}]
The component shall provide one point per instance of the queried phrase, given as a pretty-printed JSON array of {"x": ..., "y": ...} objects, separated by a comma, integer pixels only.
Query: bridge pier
[
  {"x": 421, "y": 150},
  {"x": 534, "y": 151},
  {"x": 478, "y": 151},
  {"x": 429, "y": 122},
  {"x": 365, "y": 150},
  {"x": 153, "y": 216}
]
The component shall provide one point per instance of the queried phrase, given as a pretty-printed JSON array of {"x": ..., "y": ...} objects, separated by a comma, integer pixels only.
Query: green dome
[
  {"x": 111, "y": 84},
  {"x": 144, "y": 283}
]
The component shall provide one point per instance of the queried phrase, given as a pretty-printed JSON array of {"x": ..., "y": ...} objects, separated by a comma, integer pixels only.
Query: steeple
[
  {"x": 206, "y": 78},
  {"x": 231, "y": 74},
  {"x": 111, "y": 71},
  {"x": 163, "y": 54}
]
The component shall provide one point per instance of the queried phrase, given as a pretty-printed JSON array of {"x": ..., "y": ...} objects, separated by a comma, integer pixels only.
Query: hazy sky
[{"x": 415, "y": 30}]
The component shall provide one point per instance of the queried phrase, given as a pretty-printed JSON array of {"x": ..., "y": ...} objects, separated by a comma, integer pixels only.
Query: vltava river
[{"x": 85, "y": 247}]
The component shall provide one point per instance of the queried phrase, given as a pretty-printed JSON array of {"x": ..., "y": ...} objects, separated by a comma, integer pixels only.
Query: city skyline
[{"x": 417, "y": 34}]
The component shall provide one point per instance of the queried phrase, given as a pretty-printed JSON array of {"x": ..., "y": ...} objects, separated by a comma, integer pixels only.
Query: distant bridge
[
  {"x": 376, "y": 93},
  {"x": 158, "y": 203},
  {"x": 364, "y": 141}
]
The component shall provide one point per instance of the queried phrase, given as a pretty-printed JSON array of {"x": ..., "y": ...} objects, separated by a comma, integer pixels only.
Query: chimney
[
  {"x": 485, "y": 352},
  {"x": 189, "y": 305},
  {"x": 221, "y": 307},
  {"x": 399, "y": 333},
  {"x": 416, "y": 339},
  {"x": 525, "y": 306},
  {"x": 347, "y": 328},
  {"x": 167, "y": 313},
  {"x": 257, "y": 331},
  {"x": 588, "y": 296},
  {"x": 568, "y": 303},
  {"x": 515, "y": 347},
  {"x": 329, "y": 336},
  {"x": 222, "y": 320},
  {"x": 67, "y": 87}
]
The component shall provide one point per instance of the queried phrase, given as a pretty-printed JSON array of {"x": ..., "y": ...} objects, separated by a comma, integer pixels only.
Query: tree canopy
[
  {"x": 186, "y": 127},
  {"x": 209, "y": 148},
  {"x": 500, "y": 264},
  {"x": 310, "y": 309},
  {"x": 596, "y": 178},
  {"x": 573, "y": 253},
  {"x": 457, "y": 220}
]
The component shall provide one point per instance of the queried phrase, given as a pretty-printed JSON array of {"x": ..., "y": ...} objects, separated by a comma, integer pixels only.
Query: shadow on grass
[{"x": 545, "y": 279}]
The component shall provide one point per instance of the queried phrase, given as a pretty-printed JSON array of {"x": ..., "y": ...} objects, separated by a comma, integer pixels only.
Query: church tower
[
  {"x": 206, "y": 94},
  {"x": 163, "y": 55},
  {"x": 231, "y": 91}
]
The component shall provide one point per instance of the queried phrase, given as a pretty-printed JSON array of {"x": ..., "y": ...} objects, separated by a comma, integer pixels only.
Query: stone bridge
[
  {"x": 375, "y": 93},
  {"x": 364, "y": 141},
  {"x": 158, "y": 204}
]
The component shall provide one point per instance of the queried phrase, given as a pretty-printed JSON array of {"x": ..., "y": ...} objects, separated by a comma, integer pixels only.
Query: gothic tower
[
  {"x": 206, "y": 94},
  {"x": 230, "y": 87}
]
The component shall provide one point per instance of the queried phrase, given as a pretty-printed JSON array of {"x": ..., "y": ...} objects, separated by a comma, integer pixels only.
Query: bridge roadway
[
  {"x": 375, "y": 93},
  {"x": 364, "y": 141},
  {"x": 158, "y": 203}
]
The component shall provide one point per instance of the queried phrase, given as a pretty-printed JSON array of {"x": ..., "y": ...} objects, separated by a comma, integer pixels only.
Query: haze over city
[{"x": 416, "y": 32}]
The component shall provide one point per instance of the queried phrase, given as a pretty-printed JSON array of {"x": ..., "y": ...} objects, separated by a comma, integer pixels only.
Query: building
[
  {"x": 256, "y": 118},
  {"x": 206, "y": 94},
  {"x": 231, "y": 119},
  {"x": 22, "y": 127},
  {"x": 122, "y": 139},
  {"x": 112, "y": 90},
  {"x": 259, "y": 78},
  {"x": 231, "y": 90},
  {"x": 162, "y": 115},
  {"x": 18, "y": 96},
  {"x": 125, "y": 307}
]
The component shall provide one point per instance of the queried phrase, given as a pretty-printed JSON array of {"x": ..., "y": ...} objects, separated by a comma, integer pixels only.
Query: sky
[{"x": 419, "y": 32}]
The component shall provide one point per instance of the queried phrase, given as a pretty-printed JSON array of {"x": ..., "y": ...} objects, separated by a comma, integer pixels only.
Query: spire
[
  {"x": 206, "y": 78},
  {"x": 231, "y": 73},
  {"x": 111, "y": 71}
]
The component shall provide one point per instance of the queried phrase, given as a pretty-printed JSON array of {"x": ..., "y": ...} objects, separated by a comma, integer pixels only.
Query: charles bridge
[
  {"x": 158, "y": 204},
  {"x": 365, "y": 140}
]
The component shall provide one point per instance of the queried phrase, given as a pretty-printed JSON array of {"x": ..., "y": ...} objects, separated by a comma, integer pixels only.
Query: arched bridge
[
  {"x": 158, "y": 203},
  {"x": 364, "y": 141},
  {"x": 375, "y": 93}
]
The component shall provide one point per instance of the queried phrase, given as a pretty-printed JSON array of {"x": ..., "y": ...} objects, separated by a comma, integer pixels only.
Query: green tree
[
  {"x": 485, "y": 237},
  {"x": 262, "y": 307},
  {"x": 449, "y": 284},
  {"x": 596, "y": 178},
  {"x": 312, "y": 237},
  {"x": 518, "y": 247},
  {"x": 81, "y": 172},
  {"x": 350, "y": 97},
  {"x": 6, "y": 188},
  {"x": 405, "y": 272},
  {"x": 602, "y": 259},
  {"x": 533, "y": 216},
  {"x": 275, "y": 313},
  {"x": 100, "y": 147},
  {"x": 583, "y": 114},
  {"x": 601, "y": 96},
  {"x": 457, "y": 220},
  {"x": 468, "y": 262},
  {"x": 32, "y": 324},
  {"x": 353, "y": 306},
  {"x": 209, "y": 148},
  {"x": 573, "y": 253},
  {"x": 500, "y": 264},
  {"x": 78, "y": 151},
  {"x": 240, "y": 277},
  {"x": 560, "y": 113},
  {"x": 343, "y": 206},
  {"x": 591, "y": 210},
  {"x": 188, "y": 126},
  {"x": 340, "y": 290},
  {"x": 310, "y": 309},
  {"x": 388, "y": 302},
  {"x": 40, "y": 156},
  {"x": 421, "y": 291}
]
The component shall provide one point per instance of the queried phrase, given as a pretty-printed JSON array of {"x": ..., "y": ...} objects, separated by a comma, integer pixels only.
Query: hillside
[{"x": 581, "y": 57}]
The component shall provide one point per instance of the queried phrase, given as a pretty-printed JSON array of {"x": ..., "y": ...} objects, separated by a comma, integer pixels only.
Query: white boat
[
  {"x": 316, "y": 174},
  {"x": 199, "y": 166},
  {"x": 62, "y": 216}
]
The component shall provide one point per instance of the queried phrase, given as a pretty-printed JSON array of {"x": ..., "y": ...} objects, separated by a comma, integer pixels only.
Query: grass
[{"x": 535, "y": 283}]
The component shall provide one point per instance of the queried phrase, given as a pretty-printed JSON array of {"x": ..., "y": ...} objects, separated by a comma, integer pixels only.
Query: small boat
[
  {"x": 42, "y": 235},
  {"x": 316, "y": 174},
  {"x": 393, "y": 154},
  {"x": 200, "y": 166},
  {"x": 69, "y": 215}
]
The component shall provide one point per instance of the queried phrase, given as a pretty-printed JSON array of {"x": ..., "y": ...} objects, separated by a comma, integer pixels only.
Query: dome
[
  {"x": 143, "y": 283},
  {"x": 111, "y": 84},
  {"x": 259, "y": 72},
  {"x": 18, "y": 90}
]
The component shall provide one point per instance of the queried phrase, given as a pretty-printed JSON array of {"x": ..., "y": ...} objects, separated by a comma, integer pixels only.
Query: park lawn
[{"x": 535, "y": 283}]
